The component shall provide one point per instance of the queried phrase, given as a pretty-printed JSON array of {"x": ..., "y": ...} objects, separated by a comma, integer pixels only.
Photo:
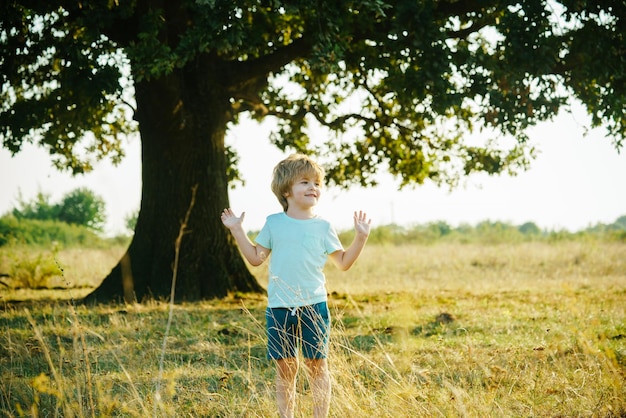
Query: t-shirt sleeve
[
  {"x": 264, "y": 238},
  {"x": 332, "y": 242}
]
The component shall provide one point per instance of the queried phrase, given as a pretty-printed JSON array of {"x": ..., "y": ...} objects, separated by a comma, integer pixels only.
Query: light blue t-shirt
[{"x": 300, "y": 249}]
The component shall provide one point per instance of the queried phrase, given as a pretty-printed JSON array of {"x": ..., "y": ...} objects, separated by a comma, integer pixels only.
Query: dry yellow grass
[{"x": 524, "y": 330}]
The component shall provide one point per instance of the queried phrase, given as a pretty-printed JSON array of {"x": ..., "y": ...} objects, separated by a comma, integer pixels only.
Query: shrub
[
  {"x": 78, "y": 207},
  {"x": 33, "y": 271},
  {"x": 45, "y": 233}
]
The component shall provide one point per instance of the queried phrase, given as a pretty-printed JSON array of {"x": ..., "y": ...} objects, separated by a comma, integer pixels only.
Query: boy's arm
[
  {"x": 344, "y": 259},
  {"x": 255, "y": 254}
]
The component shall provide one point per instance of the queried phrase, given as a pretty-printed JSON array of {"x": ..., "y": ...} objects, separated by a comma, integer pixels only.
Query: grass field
[{"x": 524, "y": 330}]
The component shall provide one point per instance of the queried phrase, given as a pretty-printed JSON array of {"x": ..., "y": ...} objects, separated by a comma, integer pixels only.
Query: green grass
[{"x": 531, "y": 330}]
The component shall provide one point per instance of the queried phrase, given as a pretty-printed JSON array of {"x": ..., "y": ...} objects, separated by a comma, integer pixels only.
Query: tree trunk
[{"x": 182, "y": 119}]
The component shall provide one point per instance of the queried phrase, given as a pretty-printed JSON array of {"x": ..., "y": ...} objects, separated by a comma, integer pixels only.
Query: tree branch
[
  {"x": 248, "y": 78},
  {"x": 473, "y": 28},
  {"x": 241, "y": 71}
]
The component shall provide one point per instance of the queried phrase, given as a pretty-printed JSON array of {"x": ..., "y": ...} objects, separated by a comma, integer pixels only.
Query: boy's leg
[
  {"x": 319, "y": 377},
  {"x": 286, "y": 371},
  {"x": 315, "y": 344},
  {"x": 282, "y": 348}
]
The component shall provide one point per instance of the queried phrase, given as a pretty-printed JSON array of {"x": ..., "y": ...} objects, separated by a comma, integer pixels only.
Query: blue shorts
[{"x": 305, "y": 327}]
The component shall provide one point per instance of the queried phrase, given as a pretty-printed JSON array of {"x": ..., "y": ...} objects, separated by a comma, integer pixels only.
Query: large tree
[{"x": 409, "y": 80}]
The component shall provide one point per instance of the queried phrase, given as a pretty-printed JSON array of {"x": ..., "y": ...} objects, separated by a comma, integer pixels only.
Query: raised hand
[
  {"x": 230, "y": 220},
  {"x": 361, "y": 223}
]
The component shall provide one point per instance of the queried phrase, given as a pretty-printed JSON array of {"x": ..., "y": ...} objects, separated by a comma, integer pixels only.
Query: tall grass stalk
[
  {"x": 170, "y": 316},
  {"x": 60, "y": 389}
]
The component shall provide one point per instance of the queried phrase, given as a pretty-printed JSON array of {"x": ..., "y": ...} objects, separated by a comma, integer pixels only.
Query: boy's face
[{"x": 305, "y": 192}]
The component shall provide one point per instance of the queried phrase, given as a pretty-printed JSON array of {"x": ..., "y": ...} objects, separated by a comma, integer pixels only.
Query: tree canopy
[
  {"x": 422, "y": 75},
  {"x": 399, "y": 85}
]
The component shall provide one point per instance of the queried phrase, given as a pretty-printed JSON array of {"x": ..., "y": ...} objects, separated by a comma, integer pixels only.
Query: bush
[
  {"x": 45, "y": 233},
  {"x": 78, "y": 207},
  {"x": 485, "y": 232},
  {"x": 33, "y": 271}
]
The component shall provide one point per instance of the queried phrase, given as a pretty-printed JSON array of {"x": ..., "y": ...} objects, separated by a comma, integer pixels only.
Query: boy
[{"x": 300, "y": 243}]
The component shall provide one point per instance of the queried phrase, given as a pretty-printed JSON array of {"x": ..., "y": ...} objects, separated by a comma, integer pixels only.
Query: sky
[{"x": 576, "y": 181}]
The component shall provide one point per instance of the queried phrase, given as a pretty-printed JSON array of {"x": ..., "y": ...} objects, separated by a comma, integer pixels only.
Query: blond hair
[{"x": 291, "y": 169}]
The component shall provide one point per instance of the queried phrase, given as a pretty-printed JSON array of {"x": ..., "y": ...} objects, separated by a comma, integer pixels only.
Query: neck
[{"x": 299, "y": 213}]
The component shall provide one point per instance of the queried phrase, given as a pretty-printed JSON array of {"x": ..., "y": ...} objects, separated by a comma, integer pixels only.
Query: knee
[
  {"x": 317, "y": 367},
  {"x": 287, "y": 369}
]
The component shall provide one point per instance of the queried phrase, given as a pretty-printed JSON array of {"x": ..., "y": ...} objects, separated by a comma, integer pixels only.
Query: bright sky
[{"x": 575, "y": 182}]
